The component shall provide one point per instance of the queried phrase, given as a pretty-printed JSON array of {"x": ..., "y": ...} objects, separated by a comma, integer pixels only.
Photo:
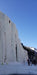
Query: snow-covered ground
[{"x": 17, "y": 68}]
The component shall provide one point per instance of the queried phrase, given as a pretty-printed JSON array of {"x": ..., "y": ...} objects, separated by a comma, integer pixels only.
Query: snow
[{"x": 17, "y": 68}]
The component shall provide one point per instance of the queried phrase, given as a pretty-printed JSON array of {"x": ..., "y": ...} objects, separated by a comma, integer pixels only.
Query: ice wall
[{"x": 10, "y": 45}]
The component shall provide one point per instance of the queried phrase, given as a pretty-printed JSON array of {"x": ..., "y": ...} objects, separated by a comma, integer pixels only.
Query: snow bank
[{"x": 17, "y": 68}]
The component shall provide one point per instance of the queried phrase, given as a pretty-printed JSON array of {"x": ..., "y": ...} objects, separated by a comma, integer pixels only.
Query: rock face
[{"x": 11, "y": 49}]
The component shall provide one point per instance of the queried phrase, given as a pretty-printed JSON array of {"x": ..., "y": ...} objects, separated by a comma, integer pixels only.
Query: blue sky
[{"x": 24, "y": 14}]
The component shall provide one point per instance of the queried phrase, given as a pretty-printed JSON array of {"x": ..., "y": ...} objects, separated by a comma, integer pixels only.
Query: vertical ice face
[{"x": 10, "y": 45}]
